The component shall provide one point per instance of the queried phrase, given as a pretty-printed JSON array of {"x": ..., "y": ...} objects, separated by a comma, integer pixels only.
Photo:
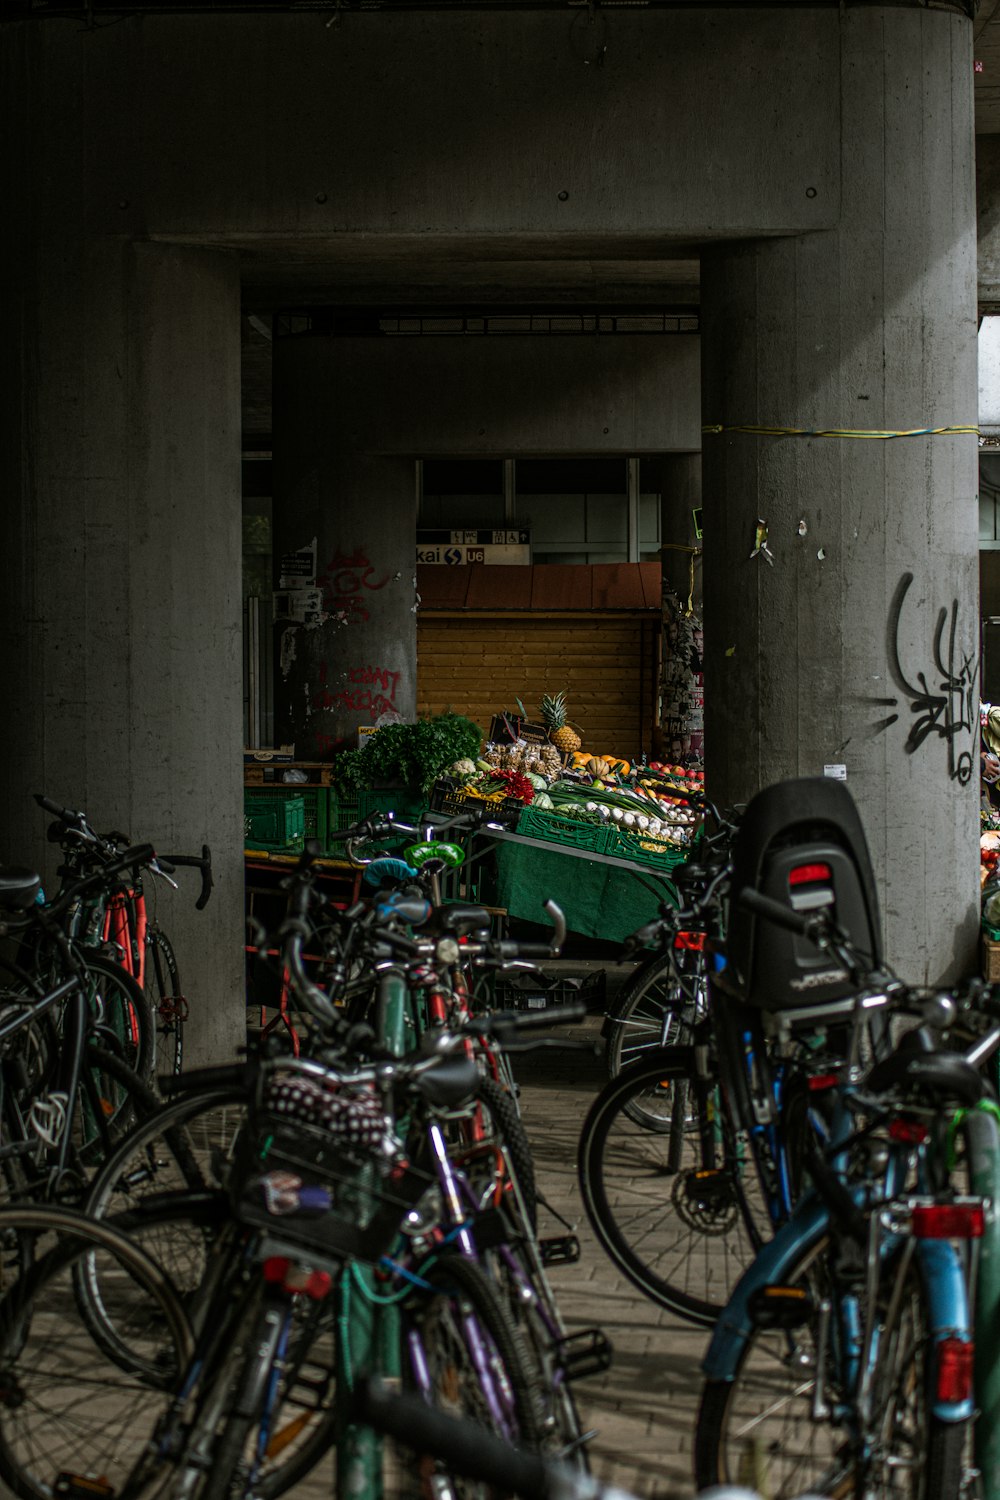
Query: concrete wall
[
  {"x": 119, "y": 578},
  {"x": 276, "y": 129}
]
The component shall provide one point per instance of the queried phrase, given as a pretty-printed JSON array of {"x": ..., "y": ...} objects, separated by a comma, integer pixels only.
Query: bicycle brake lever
[{"x": 156, "y": 870}]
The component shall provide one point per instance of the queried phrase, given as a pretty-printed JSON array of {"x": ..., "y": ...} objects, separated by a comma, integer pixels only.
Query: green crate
[
  {"x": 316, "y": 807},
  {"x": 344, "y": 812},
  {"x": 537, "y": 823},
  {"x": 274, "y": 820},
  {"x": 630, "y": 844},
  {"x": 408, "y": 806}
]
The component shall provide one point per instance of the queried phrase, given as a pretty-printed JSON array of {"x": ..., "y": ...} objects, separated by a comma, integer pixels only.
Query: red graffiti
[
  {"x": 379, "y": 697},
  {"x": 380, "y": 676},
  {"x": 345, "y": 580},
  {"x": 364, "y": 701}
]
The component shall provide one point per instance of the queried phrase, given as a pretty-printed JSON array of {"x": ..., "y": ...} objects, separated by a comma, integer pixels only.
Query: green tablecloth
[{"x": 600, "y": 899}]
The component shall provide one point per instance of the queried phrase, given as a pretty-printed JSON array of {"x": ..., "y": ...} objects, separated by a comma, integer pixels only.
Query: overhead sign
[
  {"x": 484, "y": 537},
  {"x": 453, "y": 556}
]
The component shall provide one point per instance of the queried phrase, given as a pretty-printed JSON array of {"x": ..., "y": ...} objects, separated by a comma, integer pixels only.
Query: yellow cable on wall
[{"x": 844, "y": 432}]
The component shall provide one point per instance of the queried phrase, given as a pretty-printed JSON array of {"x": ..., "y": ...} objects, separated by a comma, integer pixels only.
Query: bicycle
[
  {"x": 474, "y": 1185},
  {"x": 844, "y": 1359},
  {"x": 66, "y": 1090},
  {"x": 690, "y": 1158},
  {"x": 669, "y": 988},
  {"x": 116, "y": 919}
]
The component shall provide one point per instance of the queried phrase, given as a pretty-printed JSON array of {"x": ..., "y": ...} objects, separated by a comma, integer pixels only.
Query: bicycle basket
[
  {"x": 321, "y": 1168},
  {"x": 801, "y": 842}
]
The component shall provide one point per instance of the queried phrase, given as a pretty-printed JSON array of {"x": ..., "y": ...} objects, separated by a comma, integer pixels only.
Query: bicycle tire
[
  {"x": 513, "y": 1141},
  {"x": 665, "y": 1229},
  {"x": 636, "y": 1021},
  {"x": 166, "y": 999},
  {"x": 67, "y": 1408}
]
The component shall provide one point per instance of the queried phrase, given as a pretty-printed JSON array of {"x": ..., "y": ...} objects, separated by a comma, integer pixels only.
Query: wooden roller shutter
[{"x": 606, "y": 664}]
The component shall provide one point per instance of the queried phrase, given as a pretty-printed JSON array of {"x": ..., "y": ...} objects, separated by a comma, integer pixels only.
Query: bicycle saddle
[
  {"x": 915, "y": 1065},
  {"x": 18, "y": 888},
  {"x": 452, "y": 1082},
  {"x": 458, "y": 920}
]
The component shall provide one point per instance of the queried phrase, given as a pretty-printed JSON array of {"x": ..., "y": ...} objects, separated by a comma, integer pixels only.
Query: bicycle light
[
  {"x": 962, "y": 1219},
  {"x": 955, "y": 1360},
  {"x": 784, "y": 1307}
]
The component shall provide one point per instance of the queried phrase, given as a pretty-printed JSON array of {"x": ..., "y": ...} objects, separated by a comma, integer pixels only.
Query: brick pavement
[{"x": 644, "y": 1407}]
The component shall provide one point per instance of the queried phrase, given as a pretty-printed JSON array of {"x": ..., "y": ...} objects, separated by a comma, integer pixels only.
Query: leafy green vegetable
[{"x": 411, "y": 754}]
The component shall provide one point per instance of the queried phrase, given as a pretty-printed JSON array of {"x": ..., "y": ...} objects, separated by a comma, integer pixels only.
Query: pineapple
[{"x": 553, "y": 711}]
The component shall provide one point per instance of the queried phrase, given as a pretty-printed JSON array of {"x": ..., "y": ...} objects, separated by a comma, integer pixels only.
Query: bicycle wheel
[
  {"x": 760, "y": 1428},
  {"x": 681, "y": 1232},
  {"x": 514, "y": 1266},
  {"x": 69, "y": 1412},
  {"x": 111, "y": 1099},
  {"x": 464, "y": 1355},
  {"x": 165, "y": 997},
  {"x": 120, "y": 1018},
  {"x": 258, "y": 1410},
  {"x": 650, "y": 1011},
  {"x": 187, "y": 1145}
]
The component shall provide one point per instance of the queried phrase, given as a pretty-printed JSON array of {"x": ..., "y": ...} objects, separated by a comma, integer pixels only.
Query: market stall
[{"x": 596, "y": 833}]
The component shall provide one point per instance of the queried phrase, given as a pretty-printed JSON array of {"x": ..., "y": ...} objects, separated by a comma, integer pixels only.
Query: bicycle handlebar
[
  {"x": 64, "y": 814},
  {"x": 139, "y": 854},
  {"x": 193, "y": 862}
]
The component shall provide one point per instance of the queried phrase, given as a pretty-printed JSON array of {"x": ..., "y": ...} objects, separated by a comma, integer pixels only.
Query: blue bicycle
[{"x": 843, "y": 1362}]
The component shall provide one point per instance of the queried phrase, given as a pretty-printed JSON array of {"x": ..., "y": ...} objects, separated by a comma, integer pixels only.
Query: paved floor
[{"x": 644, "y": 1407}]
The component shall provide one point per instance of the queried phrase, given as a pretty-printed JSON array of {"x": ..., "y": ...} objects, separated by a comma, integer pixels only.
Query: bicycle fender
[
  {"x": 734, "y": 1326},
  {"x": 946, "y": 1294}
]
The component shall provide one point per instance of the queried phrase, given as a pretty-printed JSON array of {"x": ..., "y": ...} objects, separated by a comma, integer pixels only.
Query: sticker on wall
[
  {"x": 761, "y": 549},
  {"x": 835, "y": 772},
  {"x": 298, "y": 569}
]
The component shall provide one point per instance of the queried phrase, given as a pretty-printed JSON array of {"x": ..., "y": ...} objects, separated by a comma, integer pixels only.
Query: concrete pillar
[
  {"x": 853, "y": 640},
  {"x": 120, "y": 585},
  {"x": 357, "y": 660}
]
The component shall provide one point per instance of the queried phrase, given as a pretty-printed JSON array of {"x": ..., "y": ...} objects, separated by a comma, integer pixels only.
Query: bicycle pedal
[
  {"x": 560, "y": 1250},
  {"x": 710, "y": 1188},
  {"x": 784, "y": 1307},
  {"x": 82, "y": 1487},
  {"x": 588, "y": 1352}
]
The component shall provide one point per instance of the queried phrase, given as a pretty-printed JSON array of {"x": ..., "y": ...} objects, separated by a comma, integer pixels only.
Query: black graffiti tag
[{"x": 946, "y": 709}]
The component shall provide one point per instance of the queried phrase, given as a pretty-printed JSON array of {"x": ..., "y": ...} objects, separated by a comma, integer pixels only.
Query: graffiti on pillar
[
  {"x": 369, "y": 690},
  {"x": 345, "y": 581},
  {"x": 942, "y": 699}
]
